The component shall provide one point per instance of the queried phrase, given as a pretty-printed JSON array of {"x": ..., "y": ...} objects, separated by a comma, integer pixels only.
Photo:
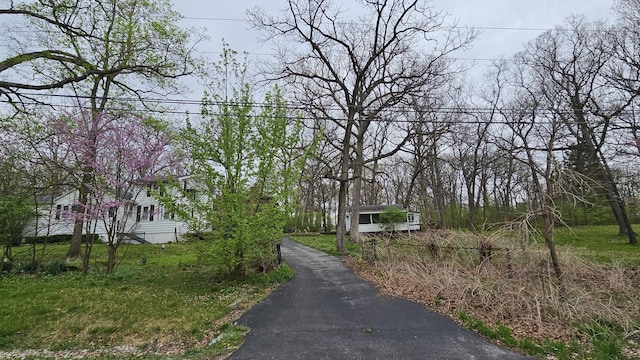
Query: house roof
[
  {"x": 49, "y": 199},
  {"x": 160, "y": 178},
  {"x": 374, "y": 208}
]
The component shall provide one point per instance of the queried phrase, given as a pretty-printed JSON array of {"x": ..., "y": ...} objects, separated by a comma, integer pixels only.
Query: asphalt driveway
[{"x": 325, "y": 312}]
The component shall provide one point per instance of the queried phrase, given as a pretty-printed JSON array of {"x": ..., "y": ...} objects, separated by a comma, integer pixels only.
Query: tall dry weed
[{"x": 504, "y": 281}]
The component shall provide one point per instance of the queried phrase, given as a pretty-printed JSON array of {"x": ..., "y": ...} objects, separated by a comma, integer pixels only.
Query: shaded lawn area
[
  {"x": 327, "y": 243},
  {"x": 167, "y": 304},
  {"x": 600, "y": 243}
]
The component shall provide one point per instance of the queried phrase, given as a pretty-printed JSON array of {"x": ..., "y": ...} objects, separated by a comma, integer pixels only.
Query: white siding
[
  {"x": 153, "y": 228},
  {"x": 412, "y": 223}
]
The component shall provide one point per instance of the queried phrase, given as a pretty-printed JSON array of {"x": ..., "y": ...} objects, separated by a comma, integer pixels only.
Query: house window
[
  {"x": 151, "y": 212},
  {"x": 145, "y": 213},
  {"x": 167, "y": 215},
  {"x": 365, "y": 219},
  {"x": 58, "y": 211},
  {"x": 375, "y": 218},
  {"x": 139, "y": 213},
  {"x": 410, "y": 217}
]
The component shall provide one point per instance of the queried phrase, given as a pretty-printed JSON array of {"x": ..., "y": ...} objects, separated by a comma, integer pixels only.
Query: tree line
[
  {"x": 550, "y": 130},
  {"x": 373, "y": 109}
]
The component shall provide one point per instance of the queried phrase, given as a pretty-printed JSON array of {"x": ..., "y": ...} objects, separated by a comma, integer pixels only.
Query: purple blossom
[{"x": 109, "y": 152}]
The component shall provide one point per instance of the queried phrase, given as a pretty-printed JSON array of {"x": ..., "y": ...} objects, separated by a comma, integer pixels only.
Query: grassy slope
[
  {"x": 600, "y": 243},
  {"x": 166, "y": 305}
]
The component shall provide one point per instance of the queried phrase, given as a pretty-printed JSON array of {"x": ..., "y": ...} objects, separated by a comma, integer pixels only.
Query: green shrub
[
  {"x": 392, "y": 216},
  {"x": 58, "y": 238},
  {"x": 54, "y": 267},
  {"x": 29, "y": 266},
  {"x": 51, "y": 239},
  {"x": 281, "y": 274}
]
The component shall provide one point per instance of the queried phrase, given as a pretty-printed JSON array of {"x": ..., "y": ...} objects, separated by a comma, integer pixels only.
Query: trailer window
[{"x": 365, "y": 219}]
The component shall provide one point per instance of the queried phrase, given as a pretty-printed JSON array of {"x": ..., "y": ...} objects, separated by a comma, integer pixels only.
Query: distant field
[{"x": 597, "y": 242}]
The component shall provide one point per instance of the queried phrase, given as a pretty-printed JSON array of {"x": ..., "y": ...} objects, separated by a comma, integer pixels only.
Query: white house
[
  {"x": 143, "y": 219},
  {"x": 369, "y": 219}
]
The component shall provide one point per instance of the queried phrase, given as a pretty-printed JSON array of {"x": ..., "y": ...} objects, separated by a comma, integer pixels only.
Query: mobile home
[{"x": 369, "y": 219}]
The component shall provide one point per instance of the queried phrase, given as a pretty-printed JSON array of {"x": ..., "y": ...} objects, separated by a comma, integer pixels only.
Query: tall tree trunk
[
  {"x": 358, "y": 165},
  {"x": 606, "y": 177},
  {"x": 437, "y": 185},
  {"x": 75, "y": 247},
  {"x": 111, "y": 259},
  {"x": 548, "y": 234},
  {"x": 618, "y": 206},
  {"x": 345, "y": 165},
  {"x": 342, "y": 217}
]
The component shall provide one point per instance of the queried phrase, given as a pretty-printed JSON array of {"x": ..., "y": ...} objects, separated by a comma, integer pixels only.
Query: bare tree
[
  {"x": 432, "y": 129},
  {"x": 571, "y": 63},
  {"x": 536, "y": 142},
  {"x": 351, "y": 71}
]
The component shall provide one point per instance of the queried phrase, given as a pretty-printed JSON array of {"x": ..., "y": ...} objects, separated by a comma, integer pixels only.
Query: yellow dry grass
[{"x": 446, "y": 271}]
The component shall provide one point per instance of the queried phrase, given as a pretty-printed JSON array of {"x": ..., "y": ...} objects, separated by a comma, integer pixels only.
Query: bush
[
  {"x": 48, "y": 239},
  {"x": 5, "y": 267},
  {"x": 29, "y": 266},
  {"x": 280, "y": 275},
  {"x": 58, "y": 238},
  {"x": 392, "y": 216},
  {"x": 53, "y": 268},
  {"x": 195, "y": 236}
]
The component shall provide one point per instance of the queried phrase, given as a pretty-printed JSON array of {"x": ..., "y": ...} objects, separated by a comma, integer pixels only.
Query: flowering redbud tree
[{"x": 111, "y": 151}]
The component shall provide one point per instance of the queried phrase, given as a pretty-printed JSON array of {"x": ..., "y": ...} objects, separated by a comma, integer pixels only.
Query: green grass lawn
[
  {"x": 601, "y": 243},
  {"x": 327, "y": 243},
  {"x": 168, "y": 302}
]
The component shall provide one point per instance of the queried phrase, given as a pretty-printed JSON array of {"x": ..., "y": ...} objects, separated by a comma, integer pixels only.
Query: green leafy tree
[
  {"x": 242, "y": 161},
  {"x": 15, "y": 213},
  {"x": 392, "y": 216},
  {"x": 78, "y": 42},
  {"x": 16, "y": 206}
]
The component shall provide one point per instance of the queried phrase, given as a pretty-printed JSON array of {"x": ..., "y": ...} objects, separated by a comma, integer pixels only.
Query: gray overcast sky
[
  {"x": 507, "y": 24},
  {"x": 508, "y": 15}
]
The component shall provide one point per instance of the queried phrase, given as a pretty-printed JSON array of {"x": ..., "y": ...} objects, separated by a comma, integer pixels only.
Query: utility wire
[
  {"x": 289, "y": 106},
  {"x": 402, "y": 110}
]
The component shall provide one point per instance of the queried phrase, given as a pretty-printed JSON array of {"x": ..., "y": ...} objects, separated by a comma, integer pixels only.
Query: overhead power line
[
  {"x": 299, "y": 107},
  {"x": 463, "y": 27}
]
